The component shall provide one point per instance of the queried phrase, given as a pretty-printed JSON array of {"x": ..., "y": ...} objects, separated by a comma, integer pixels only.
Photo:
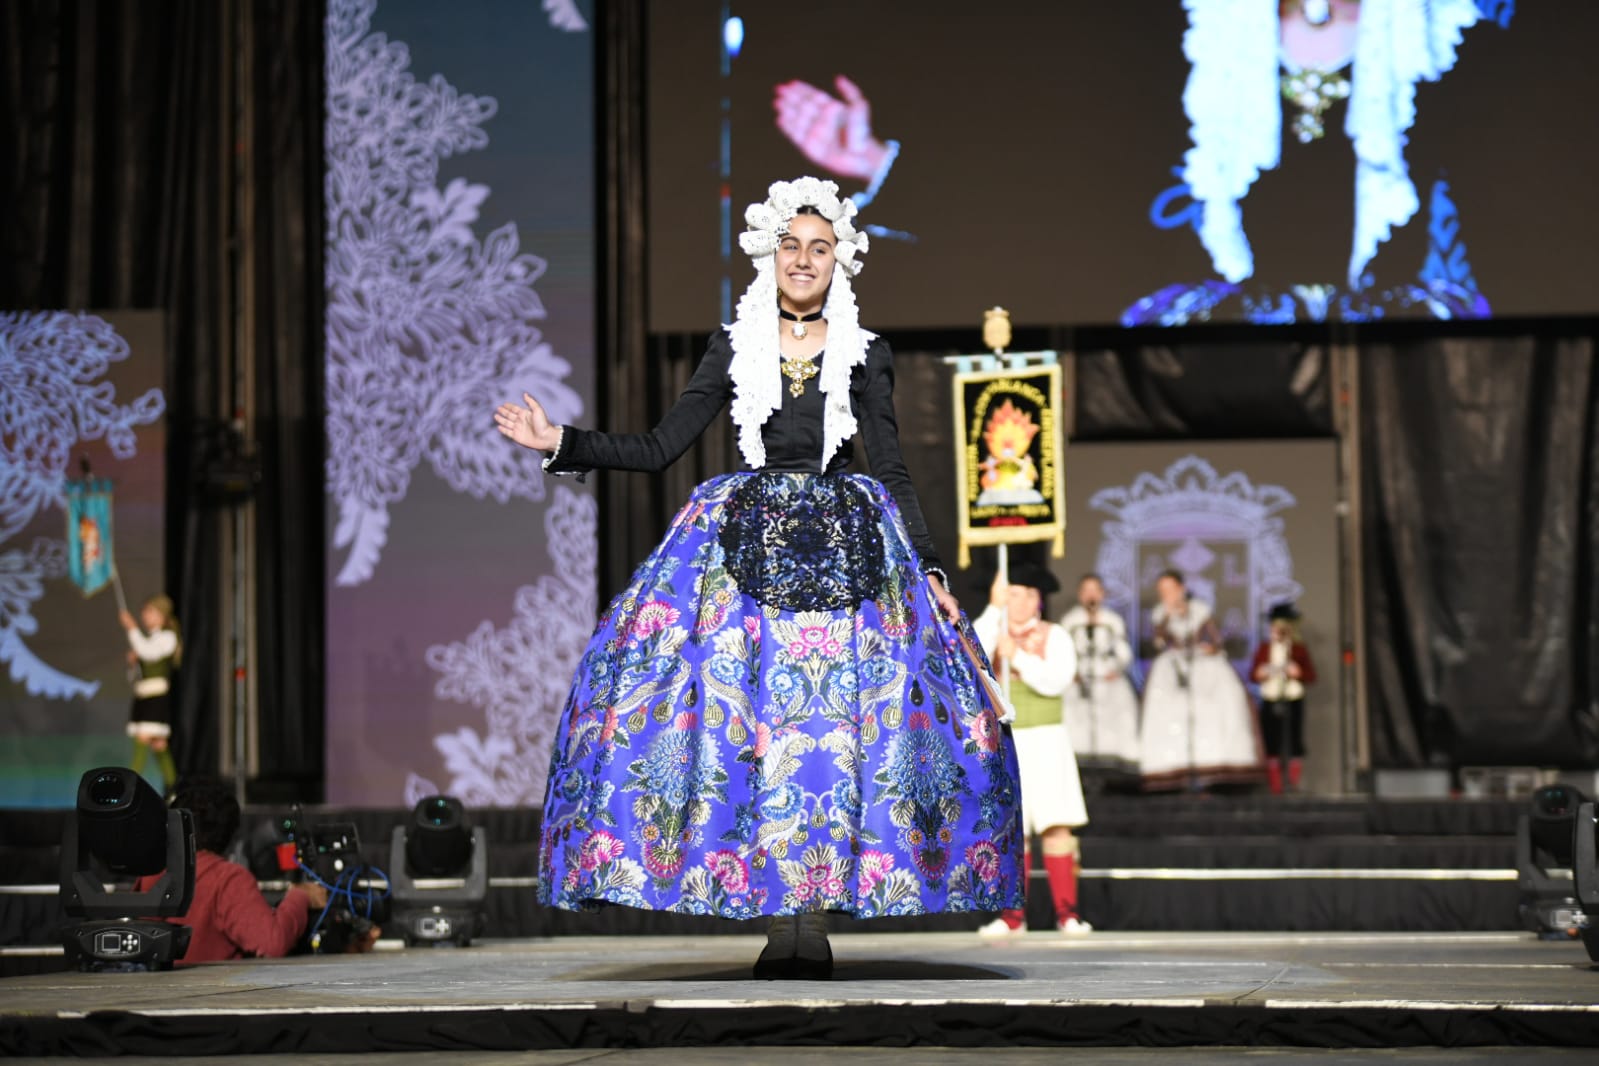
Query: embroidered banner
[
  {"x": 89, "y": 561},
  {"x": 1010, "y": 458}
]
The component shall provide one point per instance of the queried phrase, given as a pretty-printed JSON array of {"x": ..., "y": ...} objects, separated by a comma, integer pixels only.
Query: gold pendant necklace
[{"x": 799, "y": 370}]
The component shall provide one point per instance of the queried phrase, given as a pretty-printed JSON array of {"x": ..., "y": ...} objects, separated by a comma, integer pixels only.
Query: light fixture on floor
[
  {"x": 439, "y": 874},
  {"x": 122, "y": 828},
  {"x": 1545, "y": 853}
]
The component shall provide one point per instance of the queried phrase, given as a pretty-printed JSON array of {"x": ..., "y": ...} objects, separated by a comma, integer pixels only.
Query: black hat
[
  {"x": 1284, "y": 612},
  {"x": 1033, "y": 576}
]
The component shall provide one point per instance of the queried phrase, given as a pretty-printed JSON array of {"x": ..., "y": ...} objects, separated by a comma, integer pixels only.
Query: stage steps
[{"x": 1158, "y": 863}]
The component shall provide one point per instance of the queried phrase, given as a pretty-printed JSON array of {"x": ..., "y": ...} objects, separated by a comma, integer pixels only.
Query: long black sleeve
[
  {"x": 879, "y": 430},
  {"x": 707, "y": 393}
]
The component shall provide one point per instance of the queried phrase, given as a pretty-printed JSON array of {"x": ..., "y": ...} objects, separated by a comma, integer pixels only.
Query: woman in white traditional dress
[
  {"x": 1041, "y": 664},
  {"x": 1101, "y": 705},
  {"x": 1198, "y": 729}
]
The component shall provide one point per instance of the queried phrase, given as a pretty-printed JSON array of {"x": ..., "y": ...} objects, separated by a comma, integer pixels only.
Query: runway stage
[{"x": 889, "y": 990}]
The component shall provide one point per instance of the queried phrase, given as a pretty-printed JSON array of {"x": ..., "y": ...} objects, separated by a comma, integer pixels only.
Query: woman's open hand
[
  {"x": 834, "y": 132},
  {"x": 948, "y": 602},
  {"x": 529, "y": 426}
]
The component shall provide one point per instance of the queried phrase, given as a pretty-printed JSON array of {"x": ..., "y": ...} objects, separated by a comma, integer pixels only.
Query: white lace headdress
[{"x": 756, "y": 373}]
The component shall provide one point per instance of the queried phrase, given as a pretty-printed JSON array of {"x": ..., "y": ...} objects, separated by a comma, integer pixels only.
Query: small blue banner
[{"x": 89, "y": 534}]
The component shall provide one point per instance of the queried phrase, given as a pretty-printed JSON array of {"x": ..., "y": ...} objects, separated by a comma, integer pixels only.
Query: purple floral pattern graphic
[
  {"x": 428, "y": 324},
  {"x": 519, "y": 674},
  {"x": 52, "y": 395}
]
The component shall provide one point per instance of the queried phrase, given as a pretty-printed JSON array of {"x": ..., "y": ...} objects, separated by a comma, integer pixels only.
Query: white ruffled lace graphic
[
  {"x": 428, "y": 326},
  {"x": 519, "y": 675},
  {"x": 1401, "y": 42},
  {"x": 1234, "y": 103},
  {"x": 52, "y": 395}
]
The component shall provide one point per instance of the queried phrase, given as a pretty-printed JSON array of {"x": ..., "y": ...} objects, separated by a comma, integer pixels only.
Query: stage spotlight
[
  {"x": 439, "y": 874},
  {"x": 121, "y": 829},
  {"x": 1545, "y": 855}
]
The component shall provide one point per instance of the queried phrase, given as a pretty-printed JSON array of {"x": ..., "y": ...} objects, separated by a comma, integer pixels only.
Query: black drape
[
  {"x": 287, "y": 245},
  {"x": 1203, "y": 390},
  {"x": 1481, "y": 525},
  {"x": 167, "y": 155}
]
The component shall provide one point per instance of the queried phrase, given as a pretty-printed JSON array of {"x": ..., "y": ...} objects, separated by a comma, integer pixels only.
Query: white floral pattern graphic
[
  {"x": 428, "y": 326},
  {"x": 519, "y": 675},
  {"x": 52, "y": 395},
  {"x": 564, "y": 15}
]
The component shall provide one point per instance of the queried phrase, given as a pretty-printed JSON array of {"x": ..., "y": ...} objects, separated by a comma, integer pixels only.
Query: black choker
[{"x": 798, "y": 329}]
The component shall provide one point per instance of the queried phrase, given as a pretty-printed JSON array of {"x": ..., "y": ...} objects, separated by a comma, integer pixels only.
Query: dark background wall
[{"x": 137, "y": 125}]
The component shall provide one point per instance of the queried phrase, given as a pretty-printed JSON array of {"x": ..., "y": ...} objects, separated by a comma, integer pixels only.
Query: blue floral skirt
[{"x": 774, "y": 717}]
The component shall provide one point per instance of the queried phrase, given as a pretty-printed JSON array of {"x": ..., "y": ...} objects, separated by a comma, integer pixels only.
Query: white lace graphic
[
  {"x": 1233, "y": 102},
  {"x": 428, "y": 326},
  {"x": 519, "y": 675},
  {"x": 52, "y": 395},
  {"x": 564, "y": 15}
]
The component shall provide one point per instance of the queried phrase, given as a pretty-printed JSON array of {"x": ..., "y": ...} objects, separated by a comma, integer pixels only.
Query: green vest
[
  {"x": 1031, "y": 708},
  {"x": 156, "y": 668}
]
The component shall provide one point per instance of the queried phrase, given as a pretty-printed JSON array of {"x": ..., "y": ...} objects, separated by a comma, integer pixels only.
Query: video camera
[{"x": 330, "y": 853}]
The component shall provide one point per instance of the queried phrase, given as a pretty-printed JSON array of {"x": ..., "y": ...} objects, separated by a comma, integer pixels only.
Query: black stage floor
[{"x": 925, "y": 990}]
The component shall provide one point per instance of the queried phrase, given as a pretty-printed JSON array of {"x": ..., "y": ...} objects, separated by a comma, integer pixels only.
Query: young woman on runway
[{"x": 777, "y": 716}]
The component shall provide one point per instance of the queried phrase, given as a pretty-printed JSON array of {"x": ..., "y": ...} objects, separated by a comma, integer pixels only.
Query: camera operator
[{"x": 230, "y": 917}]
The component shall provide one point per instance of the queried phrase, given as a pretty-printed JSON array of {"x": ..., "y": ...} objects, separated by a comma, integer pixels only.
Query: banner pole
[{"x": 1004, "y": 615}]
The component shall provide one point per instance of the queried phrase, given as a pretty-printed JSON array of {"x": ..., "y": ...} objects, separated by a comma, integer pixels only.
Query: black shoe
[
  {"x": 777, "y": 958},
  {"x": 813, "y": 955}
]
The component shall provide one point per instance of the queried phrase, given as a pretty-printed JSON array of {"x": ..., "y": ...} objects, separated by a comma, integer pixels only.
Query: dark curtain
[
  {"x": 1211, "y": 390},
  {"x": 1481, "y": 522},
  {"x": 140, "y": 135},
  {"x": 287, "y": 228},
  {"x": 636, "y": 380}
]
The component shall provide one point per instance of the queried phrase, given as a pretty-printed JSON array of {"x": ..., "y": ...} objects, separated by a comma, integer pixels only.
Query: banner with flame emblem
[{"x": 1010, "y": 458}]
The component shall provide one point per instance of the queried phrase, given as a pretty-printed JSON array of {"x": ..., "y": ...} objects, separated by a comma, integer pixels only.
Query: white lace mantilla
[{"x": 756, "y": 368}]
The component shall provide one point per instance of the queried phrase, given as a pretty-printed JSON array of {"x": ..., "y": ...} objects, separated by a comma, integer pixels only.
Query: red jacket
[
  {"x": 1297, "y": 652},
  {"x": 230, "y": 917}
]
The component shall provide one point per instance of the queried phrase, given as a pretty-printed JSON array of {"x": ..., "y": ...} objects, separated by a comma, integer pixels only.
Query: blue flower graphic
[
  {"x": 678, "y": 765},
  {"x": 782, "y": 681},
  {"x": 878, "y": 671},
  {"x": 782, "y": 802},
  {"x": 847, "y": 797},
  {"x": 923, "y": 769},
  {"x": 729, "y": 670},
  {"x": 573, "y": 786}
]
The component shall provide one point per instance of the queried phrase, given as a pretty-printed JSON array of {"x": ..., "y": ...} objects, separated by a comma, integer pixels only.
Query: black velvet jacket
[{"x": 793, "y": 435}]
